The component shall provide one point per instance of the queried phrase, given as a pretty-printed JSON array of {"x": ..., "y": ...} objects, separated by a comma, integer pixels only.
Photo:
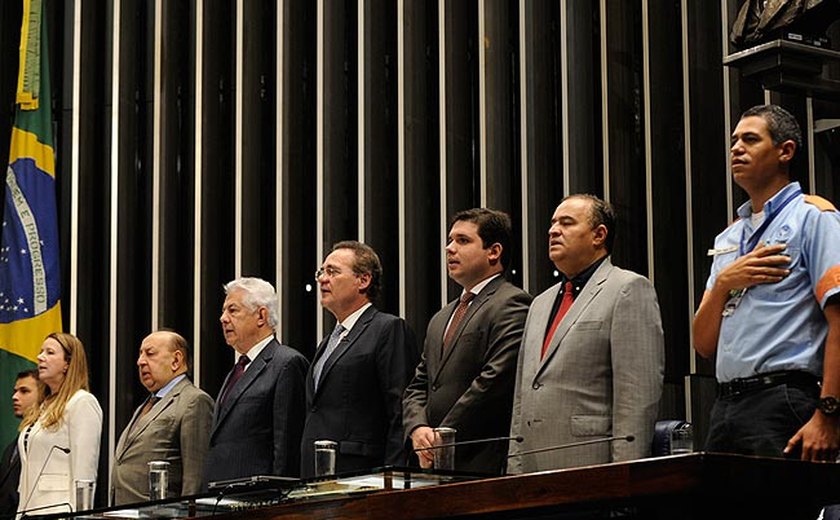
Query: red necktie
[
  {"x": 568, "y": 299},
  {"x": 457, "y": 317}
]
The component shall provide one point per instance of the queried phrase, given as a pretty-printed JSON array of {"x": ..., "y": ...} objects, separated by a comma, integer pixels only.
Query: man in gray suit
[
  {"x": 465, "y": 376},
  {"x": 259, "y": 414},
  {"x": 173, "y": 424},
  {"x": 592, "y": 356}
]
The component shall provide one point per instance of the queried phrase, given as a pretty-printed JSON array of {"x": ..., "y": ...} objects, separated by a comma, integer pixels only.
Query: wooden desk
[{"x": 699, "y": 485}]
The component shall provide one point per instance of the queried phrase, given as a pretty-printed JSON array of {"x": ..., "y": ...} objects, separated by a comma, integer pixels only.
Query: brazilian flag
[{"x": 30, "y": 285}]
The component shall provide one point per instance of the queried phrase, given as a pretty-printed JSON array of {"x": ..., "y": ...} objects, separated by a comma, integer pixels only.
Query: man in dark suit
[
  {"x": 465, "y": 377},
  {"x": 259, "y": 414},
  {"x": 25, "y": 396},
  {"x": 173, "y": 424},
  {"x": 354, "y": 387}
]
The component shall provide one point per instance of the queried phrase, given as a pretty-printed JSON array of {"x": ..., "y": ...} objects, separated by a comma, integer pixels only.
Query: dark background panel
[
  {"x": 423, "y": 241},
  {"x": 461, "y": 106},
  {"x": 217, "y": 181},
  {"x": 544, "y": 146},
  {"x": 177, "y": 164},
  {"x": 624, "y": 119},
  {"x": 340, "y": 133},
  {"x": 502, "y": 118},
  {"x": 381, "y": 212},
  {"x": 299, "y": 165},
  {"x": 258, "y": 139}
]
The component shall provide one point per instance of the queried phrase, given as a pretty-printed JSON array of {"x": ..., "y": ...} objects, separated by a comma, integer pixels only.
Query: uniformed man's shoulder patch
[{"x": 820, "y": 203}]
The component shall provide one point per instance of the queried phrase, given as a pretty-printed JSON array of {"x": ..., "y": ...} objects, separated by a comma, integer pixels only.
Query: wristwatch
[{"x": 829, "y": 405}]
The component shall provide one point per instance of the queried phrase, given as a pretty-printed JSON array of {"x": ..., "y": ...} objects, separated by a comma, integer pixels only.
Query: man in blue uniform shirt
[{"x": 771, "y": 310}]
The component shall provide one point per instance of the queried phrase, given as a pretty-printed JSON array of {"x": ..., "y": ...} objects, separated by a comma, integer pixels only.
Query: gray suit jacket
[
  {"x": 177, "y": 430},
  {"x": 470, "y": 387},
  {"x": 257, "y": 430},
  {"x": 601, "y": 376}
]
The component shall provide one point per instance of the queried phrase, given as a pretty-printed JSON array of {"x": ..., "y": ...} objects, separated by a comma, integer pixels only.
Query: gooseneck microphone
[
  {"x": 41, "y": 472},
  {"x": 25, "y": 512},
  {"x": 628, "y": 438},
  {"x": 518, "y": 438}
]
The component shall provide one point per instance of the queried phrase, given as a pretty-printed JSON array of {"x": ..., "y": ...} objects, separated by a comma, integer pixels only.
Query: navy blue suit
[
  {"x": 257, "y": 429},
  {"x": 358, "y": 402}
]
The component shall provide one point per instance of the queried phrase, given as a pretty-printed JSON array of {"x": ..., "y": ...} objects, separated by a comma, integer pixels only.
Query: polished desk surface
[{"x": 697, "y": 485}]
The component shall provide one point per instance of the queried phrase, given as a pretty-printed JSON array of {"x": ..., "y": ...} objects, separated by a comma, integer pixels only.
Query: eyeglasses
[{"x": 331, "y": 272}]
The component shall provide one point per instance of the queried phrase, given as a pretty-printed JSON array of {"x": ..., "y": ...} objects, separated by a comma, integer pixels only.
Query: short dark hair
[
  {"x": 601, "y": 212},
  {"x": 366, "y": 262},
  {"x": 780, "y": 123},
  {"x": 32, "y": 372},
  {"x": 493, "y": 227}
]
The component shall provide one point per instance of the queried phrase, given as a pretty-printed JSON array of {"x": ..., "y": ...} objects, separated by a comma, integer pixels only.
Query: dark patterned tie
[
  {"x": 565, "y": 304},
  {"x": 332, "y": 343},
  {"x": 238, "y": 370},
  {"x": 457, "y": 318},
  {"x": 147, "y": 407}
]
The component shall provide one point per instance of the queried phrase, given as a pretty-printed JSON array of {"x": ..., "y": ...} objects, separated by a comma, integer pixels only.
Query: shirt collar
[
  {"x": 770, "y": 207},
  {"x": 169, "y": 386},
  {"x": 351, "y": 320},
  {"x": 256, "y": 349},
  {"x": 482, "y": 284},
  {"x": 579, "y": 281}
]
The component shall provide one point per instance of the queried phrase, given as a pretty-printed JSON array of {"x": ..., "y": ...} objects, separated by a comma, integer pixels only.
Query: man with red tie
[
  {"x": 465, "y": 377},
  {"x": 592, "y": 357}
]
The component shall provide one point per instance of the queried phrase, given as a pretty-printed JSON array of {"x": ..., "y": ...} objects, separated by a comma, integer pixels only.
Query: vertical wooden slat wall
[{"x": 200, "y": 140}]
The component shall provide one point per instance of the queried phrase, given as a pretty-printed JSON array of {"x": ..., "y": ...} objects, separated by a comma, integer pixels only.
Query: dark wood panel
[
  {"x": 259, "y": 230},
  {"x": 502, "y": 118},
  {"x": 460, "y": 96},
  {"x": 544, "y": 147},
  {"x": 626, "y": 174},
  {"x": 340, "y": 133},
  {"x": 667, "y": 155},
  {"x": 707, "y": 151},
  {"x": 422, "y": 172},
  {"x": 177, "y": 167},
  {"x": 381, "y": 213},
  {"x": 696, "y": 486},
  {"x": 299, "y": 165},
  {"x": 217, "y": 181}
]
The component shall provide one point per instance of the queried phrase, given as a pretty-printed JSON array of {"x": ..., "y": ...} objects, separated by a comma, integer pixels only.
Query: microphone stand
[
  {"x": 40, "y": 473},
  {"x": 518, "y": 438},
  {"x": 628, "y": 438}
]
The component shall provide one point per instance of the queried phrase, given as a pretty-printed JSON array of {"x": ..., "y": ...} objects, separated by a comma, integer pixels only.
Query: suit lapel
[
  {"x": 589, "y": 292},
  {"x": 251, "y": 373},
  {"x": 345, "y": 344},
  {"x": 134, "y": 431},
  {"x": 480, "y": 299}
]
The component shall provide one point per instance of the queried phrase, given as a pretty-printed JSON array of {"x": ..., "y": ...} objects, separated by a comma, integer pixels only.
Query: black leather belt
[{"x": 745, "y": 385}]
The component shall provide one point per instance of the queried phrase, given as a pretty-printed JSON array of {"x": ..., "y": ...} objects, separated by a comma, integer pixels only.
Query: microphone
[
  {"x": 518, "y": 438},
  {"x": 25, "y": 512},
  {"x": 41, "y": 472},
  {"x": 628, "y": 438}
]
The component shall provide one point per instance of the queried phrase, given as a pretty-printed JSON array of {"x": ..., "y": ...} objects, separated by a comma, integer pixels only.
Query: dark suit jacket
[
  {"x": 257, "y": 429},
  {"x": 470, "y": 387},
  {"x": 359, "y": 399},
  {"x": 177, "y": 430},
  {"x": 9, "y": 477}
]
